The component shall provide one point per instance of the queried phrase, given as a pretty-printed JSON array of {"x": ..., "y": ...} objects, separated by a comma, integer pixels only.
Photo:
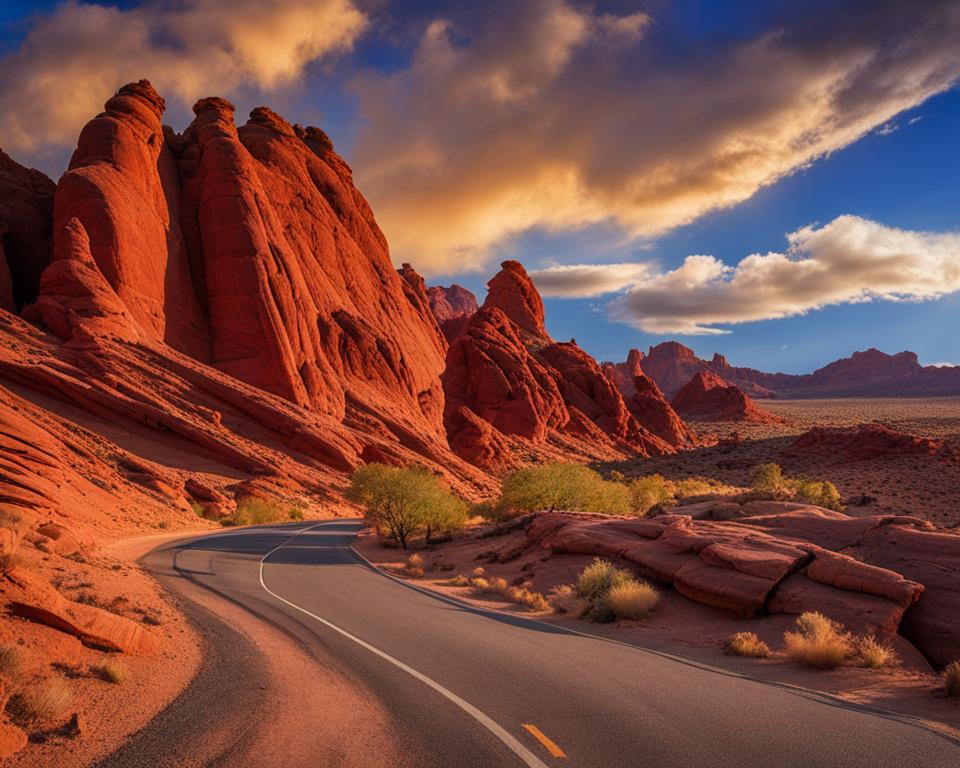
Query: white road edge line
[{"x": 487, "y": 722}]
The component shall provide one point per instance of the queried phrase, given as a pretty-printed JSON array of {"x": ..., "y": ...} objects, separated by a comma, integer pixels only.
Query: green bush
[
  {"x": 647, "y": 492},
  {"x": 400, "y": 502},
  {"x": 561, "y": 486},
  {"x": 769, "y": 480}
]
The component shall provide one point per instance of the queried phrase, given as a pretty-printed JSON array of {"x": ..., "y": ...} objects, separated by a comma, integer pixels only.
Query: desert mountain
[
  {"x": 871, "y": 373},
  {"x": 452, "y": 307}
]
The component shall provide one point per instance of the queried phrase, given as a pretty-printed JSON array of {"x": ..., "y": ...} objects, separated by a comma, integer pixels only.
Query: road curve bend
[{"x": 461, "y": 686}]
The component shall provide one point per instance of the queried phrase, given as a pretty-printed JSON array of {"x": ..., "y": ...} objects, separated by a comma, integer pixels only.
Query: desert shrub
[
  {"x": 414, "y": 566},
  {"x": 632, "y": 599},
  {"x": 459, "y": 581},
  {"x": 951, "y": 678},
  {"x": 495, "y": 586},
  {"x": 198, "y": 509},
  {"x": 296, "y": 513},
  {"x": 875, "y": 655},
  {"x": 647, "y": 492},
  {"x": 403, "y": 501},
  {"x": 478, "y": 571},
  {"x": 746, "y": 644},
  {"x": 768, "y": 478},
  {"x": 818, "y": 642},
  {"x": 534, "y": 601},
  {"x": 11, "y": 659},
  {"x": 479, "y": 585},
  {"x": 563, "y": 598},
  {"x": 112, "y": 670},
  {"x": 821, "y": 493},
  {"x": 561, "y": 486},
  {"x": 254, "y": 511},
  {"x": 44, "y": 701},
  {"x": 594, "y": 584}
]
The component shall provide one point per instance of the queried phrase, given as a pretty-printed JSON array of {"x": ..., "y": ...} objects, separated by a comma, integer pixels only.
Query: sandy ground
[
  {"x": 110, "y": 578},
  {"x": 908, "y": 485},
  {"x": 678, "y": 627}
]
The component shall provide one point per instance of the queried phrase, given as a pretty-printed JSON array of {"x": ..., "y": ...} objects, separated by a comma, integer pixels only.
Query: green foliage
[
  {"x": 596, "y": 579},
  {"x": 403, "y": 501},
  {"x": 254, "y": 511},
  {"x": 647, "y": 492},
  {"x": 561, "y": 486},
  {"x": 770, "y": 480}
]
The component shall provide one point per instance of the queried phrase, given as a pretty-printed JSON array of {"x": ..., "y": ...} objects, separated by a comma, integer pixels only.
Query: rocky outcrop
[
  {"x": 452, "y": 307},
  {"x": 505, "y": 370},
  {"x": 785, "y": 561},
  {"x": 649, "y": 407},
  {"x": 29, "y": 597},
  {"x": 865, "y": 442},
  {"x": 710, "y": 398},
  {"x": 512, "y": 291},
  {"x": 244, "y": 251},
  {"x": 623, "y": 374}
]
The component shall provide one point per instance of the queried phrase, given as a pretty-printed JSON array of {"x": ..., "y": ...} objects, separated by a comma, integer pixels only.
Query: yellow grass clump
[
  {"x": 44, "y": 701},
  {"x": 632, "y": 599},
  {"x": 414, "y": 566},
  {"x": 746, "y": 644},
  {"x": 818, "y": 642},
  {"x": 875, "y": 655},
  {"x": 951, "y": 678}
]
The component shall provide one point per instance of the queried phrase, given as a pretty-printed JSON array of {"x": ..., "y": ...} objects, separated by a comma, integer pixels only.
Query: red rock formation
[
  {"x": 623, "y": 374},
  {"x": 708, "y": 397},
  {"x": 452, "y": 307},
  {"x": 650, "y": 408},
  {"x": 863, "y": 443},
  {"x": 512, "y": 291},
  {"x": 26, "y": 203},
  {"x": 504, "y": 369},
  {"x": 781, "y": 562}
]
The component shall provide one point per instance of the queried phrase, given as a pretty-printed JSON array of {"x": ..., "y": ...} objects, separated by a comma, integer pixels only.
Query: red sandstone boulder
[
  {"x": 12, "y": 740},
  {"x": 32, "y": 598},
  {"x": 742, "y": 568},
  {"x": 708, "y": 397},
  {"x": 452, "y": 307}
]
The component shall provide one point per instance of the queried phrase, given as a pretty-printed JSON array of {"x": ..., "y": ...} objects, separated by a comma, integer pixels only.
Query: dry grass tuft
[
  {"x": 112, "y": 670},
  {"x": 746, "y": 644},
  {"x": 951, "y": 678},
  {"x": 818, "y": 642},
  {"x": 414, "y": 566},
  {"x": 564, "y": 599},
  {"x": 529, "y": 599},
  {"x": 478, "y": 571},
  {"x": 45, "y": 701},
  {"x": 632, "y": 599},
  {"x": 459, "y": 581},
  {"x": 11, "y": 659},
  {"x": 874, "y": 654}
]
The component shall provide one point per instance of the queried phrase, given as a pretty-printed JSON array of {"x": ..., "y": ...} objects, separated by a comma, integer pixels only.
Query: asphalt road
[{"x": 467, "y": 687}]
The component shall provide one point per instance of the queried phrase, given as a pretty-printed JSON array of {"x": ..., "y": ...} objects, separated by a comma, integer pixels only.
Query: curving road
[{"x": 466, "y": 687}]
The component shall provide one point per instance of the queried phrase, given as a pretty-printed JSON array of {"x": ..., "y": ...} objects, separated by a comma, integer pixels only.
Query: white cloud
[
  {"x": 73, "y": 59},
  {"x": 580, "y": 280},
  {"x": 849, "y": 260},
  {"x": 546, "y": 115}
]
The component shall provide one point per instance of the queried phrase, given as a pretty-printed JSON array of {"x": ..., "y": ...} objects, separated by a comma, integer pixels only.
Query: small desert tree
[
  {"x": 562, "y": 486},
  {"x": 403, "y": 501}
]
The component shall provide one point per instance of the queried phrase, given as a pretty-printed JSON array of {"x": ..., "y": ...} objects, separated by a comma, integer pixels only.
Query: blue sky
[{"x": 453, "y": 89}]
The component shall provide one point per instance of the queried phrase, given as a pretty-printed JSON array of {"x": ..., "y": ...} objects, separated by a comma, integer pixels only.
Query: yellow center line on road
[{"x": 540, "y": 736}]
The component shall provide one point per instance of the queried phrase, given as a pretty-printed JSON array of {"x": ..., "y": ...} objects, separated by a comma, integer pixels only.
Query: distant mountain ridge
[{"x": 870, "y": 373}]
